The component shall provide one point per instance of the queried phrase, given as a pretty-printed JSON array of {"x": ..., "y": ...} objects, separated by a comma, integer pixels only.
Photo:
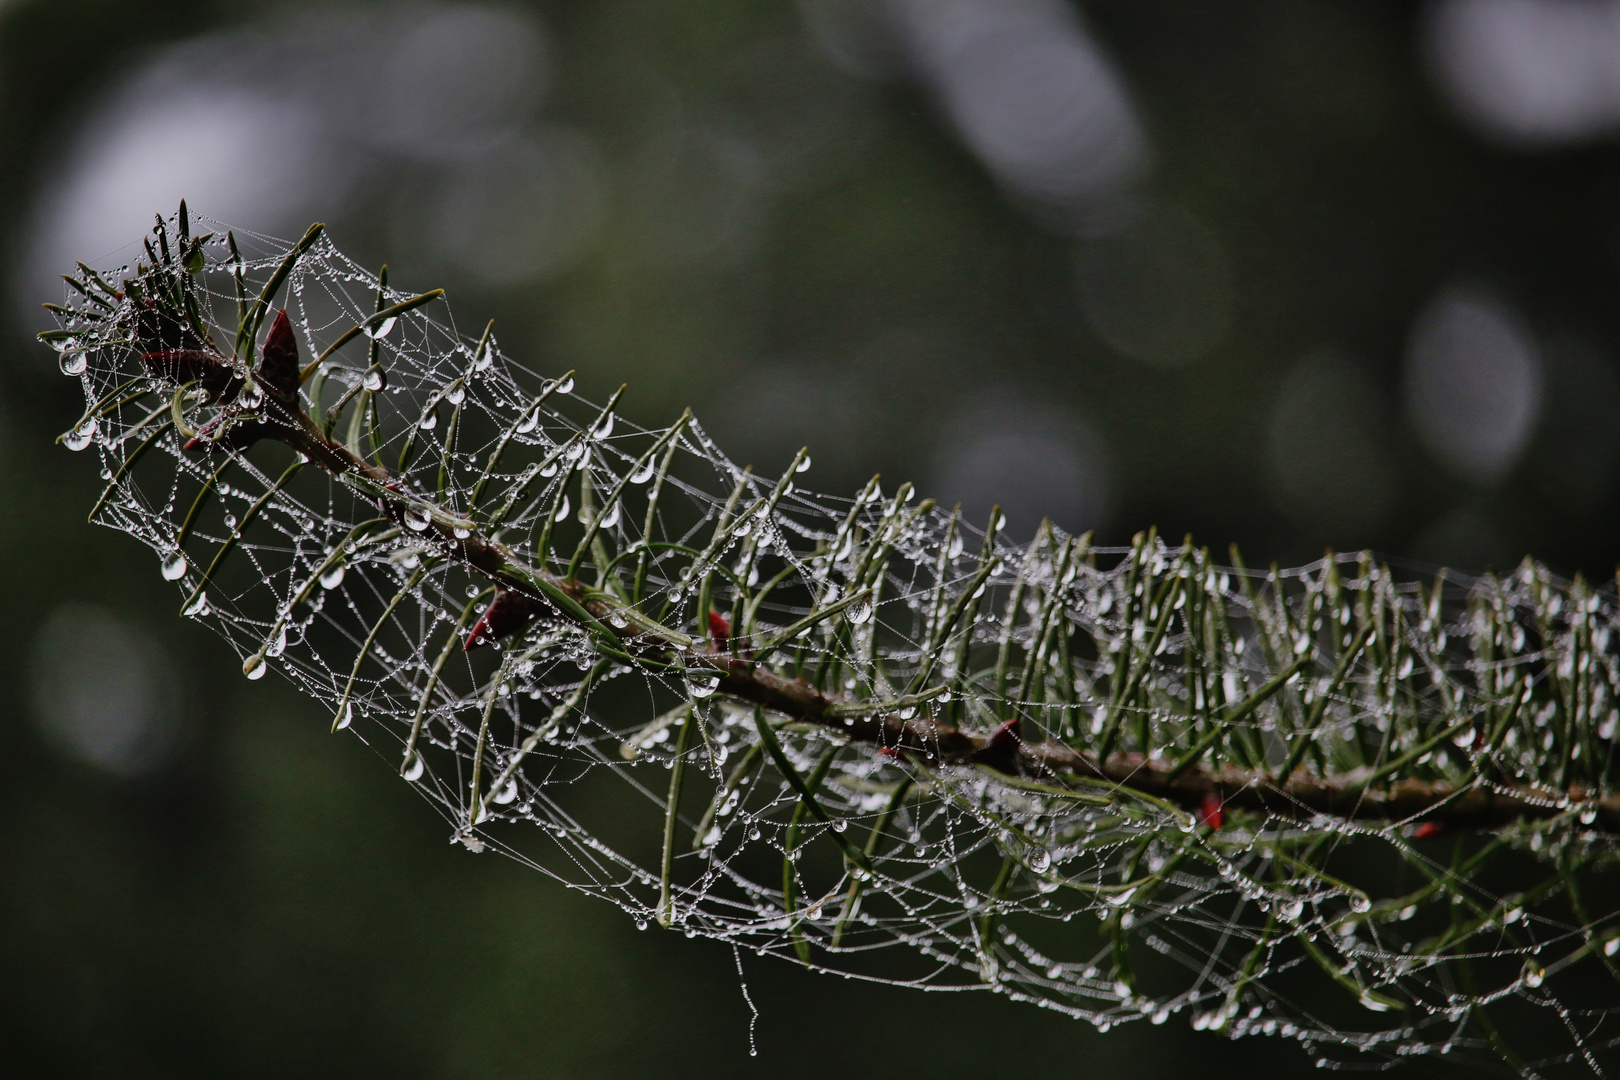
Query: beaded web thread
[{"x": 1373, "y": 815}]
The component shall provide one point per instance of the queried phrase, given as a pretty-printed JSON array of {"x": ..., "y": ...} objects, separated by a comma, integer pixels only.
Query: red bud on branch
[
  {"x": 1001, "y": 751},
  {"x": 278, "y": 362},
  {"x": 719, "y": 630},
  {"x": 507, "y": 614}
]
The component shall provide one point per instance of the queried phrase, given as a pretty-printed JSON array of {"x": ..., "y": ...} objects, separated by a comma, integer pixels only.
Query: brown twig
[{"x": 1300, "y": 795}]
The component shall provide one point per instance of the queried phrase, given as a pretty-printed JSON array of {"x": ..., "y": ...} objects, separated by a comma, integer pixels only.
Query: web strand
[{"x": 1372, "y": 815}]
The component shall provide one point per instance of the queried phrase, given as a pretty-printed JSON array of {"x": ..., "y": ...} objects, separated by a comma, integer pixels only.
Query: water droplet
[
  {"x": 230, "y": 521},
  {"x": 1040, "y": 860},
  {"x": 1533, "y": 974},
  {"x": 550, "y": 469},
  {"x": 611, "y": 518},
  {"x": 644, "y": 473},
  {"x": 461, "y": 534},
  {"x": 641, "y": 924},
  {"x": 374, "y": 380},
  {"x": 1360, "y": 902},
  {"x": 529, "y": 423},
  {"x": 430, "y": 420},
  {"x": 252, "y": 395},
  {"x": 562, "y": 509},
  {"x": 344, "y": 719},
  {"x": 199, "y": 606},
  {"x": 80, "y": 437},
  {"x": 955, "y": 548},
  {"x": 456, "y": 394},
  {"x": 279, "y": 645},
  {"x": 254, "y": 667},
  {"x": 175, "y": 566},
  {"x": 507, "y": 794},
  {"x": 603, "y": 428},
  {"x": 803, "y": 465},
  {"x": 566, "y": 386},
  {"x": 417, "y": 520},
  {"x": 381, "y": 330},
  {"x": 414, "y": 767},
  {"x": 702, "y": 686},
  {"x": 860, "y": 612},
  {"x": 618, "y": 621},
  {"x": 74, "y": 363},
  {"x": 333, "y": 577},
  {"x": 754, "y": 833}
]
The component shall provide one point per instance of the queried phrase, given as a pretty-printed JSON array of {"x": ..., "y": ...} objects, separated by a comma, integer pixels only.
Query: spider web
[{"x": 1364, "y": 929}]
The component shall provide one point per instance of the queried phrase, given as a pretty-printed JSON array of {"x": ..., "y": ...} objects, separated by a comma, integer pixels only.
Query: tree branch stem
[{"x": 1354, "y": 795}]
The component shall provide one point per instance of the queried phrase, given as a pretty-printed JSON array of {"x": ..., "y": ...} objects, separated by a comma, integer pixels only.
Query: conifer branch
[{"x": 1182, "y": 729}]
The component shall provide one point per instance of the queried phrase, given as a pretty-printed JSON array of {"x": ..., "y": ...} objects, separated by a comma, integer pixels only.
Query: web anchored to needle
[{"x": 1373, "y": 815}]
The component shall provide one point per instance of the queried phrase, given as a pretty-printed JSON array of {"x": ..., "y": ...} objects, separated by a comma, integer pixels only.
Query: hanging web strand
[{"x": 1371, "y": 815}]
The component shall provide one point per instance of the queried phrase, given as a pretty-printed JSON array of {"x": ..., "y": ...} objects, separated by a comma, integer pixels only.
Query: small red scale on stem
[
  {"x": 719, "y": 630},
  {"x": 1211, "y": 814},
  {"x": 507, "y": 614}
]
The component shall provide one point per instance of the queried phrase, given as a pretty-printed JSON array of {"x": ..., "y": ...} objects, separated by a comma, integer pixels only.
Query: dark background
[{"x": 1290, "y": 274}]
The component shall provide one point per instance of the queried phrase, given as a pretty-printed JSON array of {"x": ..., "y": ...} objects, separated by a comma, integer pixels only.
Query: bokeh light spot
[
  {"x": 1332, "y": 467},
  {"x": 1473, "y": 382},
  {"x": 1036, "y": 460},
  {"x": 1159, "y": 289},
  {"x": 103, "y": 692}
]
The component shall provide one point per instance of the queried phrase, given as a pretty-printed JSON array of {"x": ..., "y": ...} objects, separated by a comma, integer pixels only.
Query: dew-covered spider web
[{"x": 1372, "y": 815}]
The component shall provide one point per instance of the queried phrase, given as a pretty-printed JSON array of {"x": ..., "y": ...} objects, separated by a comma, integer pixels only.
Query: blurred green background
[{"x": 1285, "y": 273}]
